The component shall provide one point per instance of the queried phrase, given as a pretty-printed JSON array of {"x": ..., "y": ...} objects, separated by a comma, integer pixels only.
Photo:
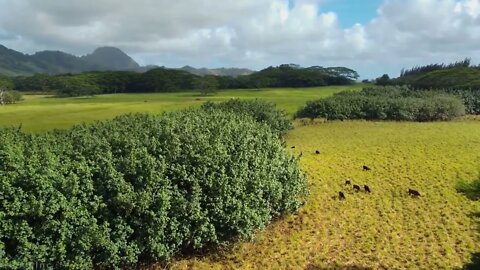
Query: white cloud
[{"x": 247, "y": 33}]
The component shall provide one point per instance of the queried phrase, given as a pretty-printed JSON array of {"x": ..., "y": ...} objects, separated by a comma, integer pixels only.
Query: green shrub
[
  {"x": 471, "y": 99},
  {"x": 262, "y": 111},
  {"x": 386, "y": 103},
  {"x": 10, "y": 97},
  {"x": 140, "y": 187}
]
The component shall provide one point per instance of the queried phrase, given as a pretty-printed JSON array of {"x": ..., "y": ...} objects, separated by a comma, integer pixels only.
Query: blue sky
[{"x": 350, "y": 12}]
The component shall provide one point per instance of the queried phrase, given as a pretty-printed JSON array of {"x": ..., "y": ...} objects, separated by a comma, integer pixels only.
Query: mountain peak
[{"x": 111, "y": 58}]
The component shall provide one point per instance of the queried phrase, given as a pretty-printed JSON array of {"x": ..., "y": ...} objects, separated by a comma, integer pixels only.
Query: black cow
[
  {"x": 348, "y": 182},
  {"x": 292, "y": 147},
  {"x": 341, "y": 196},
  {"x": 356, "y": 187},
  {"x": 367, "y": 189},
  {"x": 366, "y": 168},
  {"x": 317, "y": 152},
  {"x": 413, "y": 192}
]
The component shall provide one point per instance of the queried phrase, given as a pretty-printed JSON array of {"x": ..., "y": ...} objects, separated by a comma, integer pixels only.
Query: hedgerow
[
  {"x": 262, "y": 111},
  {"x": 386, "y": 103},
  {"x": 140, "y": 188}
]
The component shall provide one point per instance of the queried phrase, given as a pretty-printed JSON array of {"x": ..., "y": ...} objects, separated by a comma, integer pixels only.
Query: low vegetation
[
  {"x": 9, "y": 96},
  {"x": 386, "y": 103},
  {"x": 141, "y": 188},
  {"x": 262, "y": 111}
]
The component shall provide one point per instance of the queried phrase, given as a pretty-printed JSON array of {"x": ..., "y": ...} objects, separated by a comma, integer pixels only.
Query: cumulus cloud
[{"x": 248, "y": 33}]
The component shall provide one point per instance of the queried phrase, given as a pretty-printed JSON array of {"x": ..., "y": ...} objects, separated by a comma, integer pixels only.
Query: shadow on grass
[
  {"x": 470, "y": 189},
  {"x": 474, "y": 264}
]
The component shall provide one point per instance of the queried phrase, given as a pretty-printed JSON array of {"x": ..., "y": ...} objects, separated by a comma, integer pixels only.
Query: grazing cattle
[
  {"x": 413, "y": 192},
  {"x": 366, "y": 168},
  {"x": 341, "y": 196},
  {"x": 292, "y": 147},
  {"x": 367, "y": 189},
  {"x": 356, "y": 187},
  {"x": 348, "y": 182},
  {"x": 301, "y": 154},
  {"x": 317, "y": 152}
]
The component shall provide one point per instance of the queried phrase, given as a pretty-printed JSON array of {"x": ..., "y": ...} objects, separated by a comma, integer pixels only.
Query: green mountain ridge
[{"x": 14, "y": 63}]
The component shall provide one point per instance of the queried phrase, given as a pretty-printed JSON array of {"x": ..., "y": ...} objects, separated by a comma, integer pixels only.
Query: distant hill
[
  {"x": 112, "y": 58},
  {"x": 459, "y": 77},
  {"x": 231, "y": 72},
  {"x": 14, "y": 63},
  {"x": 460, "y": 74}
]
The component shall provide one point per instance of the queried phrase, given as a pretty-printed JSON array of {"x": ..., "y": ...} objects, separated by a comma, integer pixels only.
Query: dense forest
[{"x": 168, "y": 80}]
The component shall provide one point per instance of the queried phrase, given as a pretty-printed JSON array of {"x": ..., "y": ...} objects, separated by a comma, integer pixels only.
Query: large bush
[
  {"x": 386, "y": 103},
  {"x": 262, "y": 111},
  {"x": 10, "y": 96},
  {"x": 470, "y": 97},
  {"x": 139, "y": 188}
]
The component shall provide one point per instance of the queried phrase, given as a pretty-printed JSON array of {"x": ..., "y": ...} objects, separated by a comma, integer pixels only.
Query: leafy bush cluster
[
  {"x": 9, "y": 96},
  {"x": 470, "y": 97},
  {"x": 386, "y": 103},
  {"x": 140, "y": 188},
  {"x": 262, "y": 111}
]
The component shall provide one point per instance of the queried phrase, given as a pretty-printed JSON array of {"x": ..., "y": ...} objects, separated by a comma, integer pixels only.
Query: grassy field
[
  {"x": 37, "y": 113},
  {"x": 386, "y": 229},
  {"x": 383, "y": 230}
]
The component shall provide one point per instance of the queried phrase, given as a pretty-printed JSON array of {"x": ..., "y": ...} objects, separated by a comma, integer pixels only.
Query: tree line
[
  {"x": 457, "y": 75},
  {"x": 168, "y": 80}
]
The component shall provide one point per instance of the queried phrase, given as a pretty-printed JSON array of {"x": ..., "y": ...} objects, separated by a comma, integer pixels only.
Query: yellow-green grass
[
  {"x": 39, "y": 113},
  {"x": 386, "y": 229}
]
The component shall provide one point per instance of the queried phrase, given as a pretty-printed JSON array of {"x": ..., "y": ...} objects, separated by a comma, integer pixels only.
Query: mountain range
[{"x": 14, "y": 63}]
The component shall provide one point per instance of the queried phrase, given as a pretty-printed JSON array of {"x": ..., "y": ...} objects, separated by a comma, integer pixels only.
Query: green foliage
[
  {"x": 9, "y": 96},
  {"x": 290, "y": 75},
  {"x": 386, "y": 103},
  {"x": 71, "y": 86},
  {"x": 162, "y": 80},
  {"x": 383, "y": 80},
  {"x": 170, "y": 80},
  {"x": 140, "y": 187},
  {"x": 432, "y": 67},
  {"x": 6, "y": 82},
  {"x": 262, "y": 111},
  {"x": 470, "y": 97},
  {"x": 459, "y": 78},
  {"x": 207, "y": 84}
]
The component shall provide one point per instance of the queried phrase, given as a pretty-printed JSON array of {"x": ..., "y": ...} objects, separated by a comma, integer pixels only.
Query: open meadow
[
  {"x": 40, "y": 112},
  {"x": 386, "y": 229}
]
